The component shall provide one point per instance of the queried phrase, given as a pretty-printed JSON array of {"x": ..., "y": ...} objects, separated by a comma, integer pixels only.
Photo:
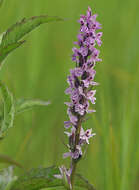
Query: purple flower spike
[
  {"x": 81, "y": 80},
  {"x": 81, "y": 88}
]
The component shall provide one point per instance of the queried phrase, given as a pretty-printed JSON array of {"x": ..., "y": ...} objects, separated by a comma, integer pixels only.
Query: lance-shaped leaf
[
  {"x": 22, "y": 105},
  {"x": 8, "y": 112},
  {"x": 6, "y": 50},
  {"x": 41, "y": 178},
  {"x": 82, "y": 182},
  {"x": 11, "y": 38},
  {"x": 38, "y": 178}
]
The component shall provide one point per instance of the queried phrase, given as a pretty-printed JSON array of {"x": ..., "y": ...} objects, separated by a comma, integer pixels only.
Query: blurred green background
[{"x": 39, "y": 69}]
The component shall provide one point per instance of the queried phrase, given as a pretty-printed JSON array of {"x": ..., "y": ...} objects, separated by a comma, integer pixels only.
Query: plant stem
[
  {"x": 74, "y": 165},
  {"x": 77, "y": 138}
]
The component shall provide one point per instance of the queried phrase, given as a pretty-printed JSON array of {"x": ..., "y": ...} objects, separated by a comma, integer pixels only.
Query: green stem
[
  {"x": 74, "y": 165},
  {"x": 77, "y": 138}
]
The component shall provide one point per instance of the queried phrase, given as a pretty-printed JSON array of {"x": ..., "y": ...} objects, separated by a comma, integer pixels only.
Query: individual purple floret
[
  {"x": 81, "y": 82},
  {"x": 64, "y": 174}
]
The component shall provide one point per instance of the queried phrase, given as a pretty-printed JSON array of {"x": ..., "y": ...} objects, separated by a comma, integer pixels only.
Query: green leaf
[
  {"x": 6, "y": 50},
  {"x": 63, "y": 188},
  {"x": 38, "y": 178},
  {"x": 55, "y": 188},
  {"x": 10, "y": 39},
  {"x": 80, "y": 181},
  {"x": 43, "y": 178},
  {"x": 8, "y": 160},
  {"x": 20, "y": 29},
  {"x": 22, "y": 105},
  {"x": 8, "y": 113}
]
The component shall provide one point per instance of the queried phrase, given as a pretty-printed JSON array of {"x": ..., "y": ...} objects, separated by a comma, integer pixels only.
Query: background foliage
[{"x": 39, "y": 70}]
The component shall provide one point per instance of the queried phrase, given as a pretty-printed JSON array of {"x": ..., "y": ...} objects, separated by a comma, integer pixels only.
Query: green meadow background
[{"x": 39, "y": 69}]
